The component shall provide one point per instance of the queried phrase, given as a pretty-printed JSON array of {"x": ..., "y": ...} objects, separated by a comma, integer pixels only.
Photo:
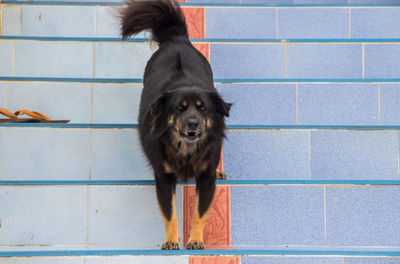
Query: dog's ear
[
  {"x": 221, "y": 106},
  {"x": 158, "y": 106}
]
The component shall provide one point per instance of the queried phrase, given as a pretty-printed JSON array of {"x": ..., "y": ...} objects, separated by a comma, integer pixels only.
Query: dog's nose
[{"x": 193, "y": 123}]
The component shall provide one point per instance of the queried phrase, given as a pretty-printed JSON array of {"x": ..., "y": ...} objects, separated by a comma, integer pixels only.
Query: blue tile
[
  {"x": 270, "y": 2},
  {"x": 43, "y": 260},
  {"x": 324, "y": 61},
  {"x": 44, "y": 154},
  {"x": 108, "y": 23},
  {"x": 277, "y": 215},
  {"x": 54, "y": 59},
  {"x": 128, "y": 215},
  {"x": 371, "y": 260},
  {"x": 248, "y": 60},
  {"x": 390, "y": 106},
  {"x": 3, "y": 95},
  {"x": 58, "y": 21},
  {"x": 138, "y": 260},
  {"x": 267, "y": 154},
  {"x": 116, "y": 103},
  {"x": 373, "y": 1},
  {"x": 60, "y": 101},
  {"x": 375, "y": 22},
  {"x": 363, "y": 216},
  {"x": 354, "y": 155},
  {"x": 42, "y": 215},
  {"x": 338, "y": 104},
  {"x": 117, "y": 155},
  {"x": 260, "y": 103},
  {"x": 7, "y": 58},
  {"x": 291, "y": 260},
  {"x": 121, "y": 60},
  {"x": 320, "y": 23},
  {"x": 382, "y": 61},
  {"x": 12, "y": 20},
  {"x": 241, "y": 23}
]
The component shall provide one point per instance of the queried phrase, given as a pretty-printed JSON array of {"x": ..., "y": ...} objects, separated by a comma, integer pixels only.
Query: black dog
[{"x": 181, "y": 117}]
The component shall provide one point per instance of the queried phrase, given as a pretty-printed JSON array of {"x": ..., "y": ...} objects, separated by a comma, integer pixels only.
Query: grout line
[
  {"x": 15, "y": 57},
  {"x": 91, "y": 102},
  {"x": 349, "y": 23},
  {"x": 95, "y": 21},
  {"x": 90, "y": 153},
  {"x": 363, "y": 60},
  {"x": 204, "y": 22},
  {"x": 325, "y": 232},
  {"x": 1, "y": 19},
  {"x": 309, "y": 150},
  {"x": 297, "y": 103},
  {"x": 276, "y": 24},
  {"x": 93, "y": 59},
  {"x": 20, "y": 19},
  {"x": 87, "y": 215},
  {"x": 379, "y": 104},
  {"x": 342, "y": 260},
  {"x": 398, "y": 155},
  {"x": 285, "y": 60}
]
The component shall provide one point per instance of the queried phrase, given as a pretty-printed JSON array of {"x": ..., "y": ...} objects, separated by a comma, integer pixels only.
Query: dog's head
[{"x": 190, "y": 113}]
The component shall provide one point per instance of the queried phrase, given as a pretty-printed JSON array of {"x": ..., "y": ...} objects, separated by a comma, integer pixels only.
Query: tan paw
[
  {"x": 221, "y": 175},
  {"x": 170, "y": 245},
  {"x": 194, "y": 244}
]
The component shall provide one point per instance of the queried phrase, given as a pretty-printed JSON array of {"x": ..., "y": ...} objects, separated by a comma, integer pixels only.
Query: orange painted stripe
[
  {"x": 195, "y": 17},
  {"x": 204, "y": 48},
  {"x": 217, "y": 231},
  {"x": 214, "y": 260}
]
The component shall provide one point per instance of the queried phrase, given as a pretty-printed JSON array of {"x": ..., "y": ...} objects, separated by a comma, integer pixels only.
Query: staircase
[{"x": 312, "y": 150}]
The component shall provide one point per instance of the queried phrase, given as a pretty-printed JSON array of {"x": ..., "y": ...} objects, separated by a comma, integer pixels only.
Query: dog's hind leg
[
  {"x": 165, "y": 187},
  {"x": 205, "y": 189}
]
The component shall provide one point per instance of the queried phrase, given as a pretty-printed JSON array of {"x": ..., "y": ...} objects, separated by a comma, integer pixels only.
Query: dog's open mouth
[{"x": 191, "y": 137}]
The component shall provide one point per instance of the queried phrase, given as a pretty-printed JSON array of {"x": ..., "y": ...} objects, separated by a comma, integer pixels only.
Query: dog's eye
[
  {"x": 202, "y": 108},
  {"x": 180, "y": 108}
]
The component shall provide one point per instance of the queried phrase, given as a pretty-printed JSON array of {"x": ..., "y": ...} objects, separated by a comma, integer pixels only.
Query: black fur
[{"x": 181, "y": 116}]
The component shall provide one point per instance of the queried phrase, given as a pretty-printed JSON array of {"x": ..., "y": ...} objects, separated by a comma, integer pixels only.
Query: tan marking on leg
[
  {"x": 167, "y": 168},
  {"x": 196, "y": 231},
  {"x": 171, "y": 229}
]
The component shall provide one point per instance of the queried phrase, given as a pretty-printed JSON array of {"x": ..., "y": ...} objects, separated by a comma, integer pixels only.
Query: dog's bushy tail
[{"x": 164, "y": 18}]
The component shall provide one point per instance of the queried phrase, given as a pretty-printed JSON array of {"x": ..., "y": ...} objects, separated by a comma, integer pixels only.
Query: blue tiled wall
[{"x": 381, "y": 60}]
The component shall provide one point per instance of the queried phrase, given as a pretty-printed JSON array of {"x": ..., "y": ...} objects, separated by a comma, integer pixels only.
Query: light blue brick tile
[
  {"x": 121, "y": 60},
  {"x": 338, "y": 104},
  {"x": 116, "y": 103},
  {"x": 317, "y": 23},
  {"x": 44, "y": 154},
  {"x": 375, "y": 22},
  {"x": 372, "y": 260},
  {"x": 291, "y": 260},
  {"x": 363, "y": 216},
  {"x": 324, "y": 61},
  {"x": 54, "y": 59},
  {"x": 354, "y": 155},
  {"x": 267, "y": 154},
  {"x": 128, "y": 215},
  {"x": 43, "y": 260},
  {"x": 138, "y": 260},
  {"x": 272, "y": 103},
  {"x": 108, "y": 24},
  {"x": 241, "y": 23},
  {"x": 117, "y": 155},
  {"x": 42, "y": 215},
  {"x": 373, "y": 1},
  {"x": 7, "y": 58},
  {"x": 248, "y": 60},
  {"x": 277, "y": 215},
  {"x": 60, "y": 101},
  {"x": 12, "y": 20},
  {"x": 382, "y": 61},
  {"x": 58, "y": 21},
  {"x": 390, "y": 104},
  {"x": 3, "y": 95}
]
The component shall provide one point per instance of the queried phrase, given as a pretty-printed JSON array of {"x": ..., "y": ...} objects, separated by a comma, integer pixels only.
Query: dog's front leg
[
  {"x": 165, "y": 187},
  {"x": 205, "y": 189}
]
